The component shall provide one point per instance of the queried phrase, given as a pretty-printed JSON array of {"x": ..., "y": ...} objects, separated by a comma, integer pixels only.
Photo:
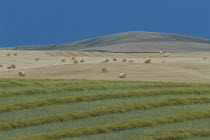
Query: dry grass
[{"x": 180, "y": 67}]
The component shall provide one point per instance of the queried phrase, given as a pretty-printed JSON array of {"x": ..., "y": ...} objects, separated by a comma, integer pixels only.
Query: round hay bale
[
  {"x": 37, "y": 59},
  {"x": 107, "y": 60},
  {"x": 11, "y": 67},
  {"x": 114, "y": 59},
  {"x": 82, "y": 60},
  {"x": 75, "y": 62},
  {"x": 21, "y": 73},
  {"x": 104, "y": 70},
  {"x": 124, "y": 60},
  {"x": 8, "y": 54},
  {"x": 161, "y": 52},
  {"x": 166, "y": 54},
  {"x": 122, "y": 75},
  {"x": 1, "y": 65},
  {"x": 147, "y": 61},
  {"x": 15, "y": 54},
  {"x": 73, "y": 58},
  {"x": 131, "y": 61},
  {"x": 63, "y": 60}
]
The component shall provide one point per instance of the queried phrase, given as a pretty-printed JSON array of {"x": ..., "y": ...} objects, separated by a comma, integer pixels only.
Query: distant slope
[{"x": 132, "y": 42}]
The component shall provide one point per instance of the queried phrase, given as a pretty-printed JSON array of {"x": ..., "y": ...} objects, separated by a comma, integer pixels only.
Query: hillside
[{"x": 132, "y": 42}]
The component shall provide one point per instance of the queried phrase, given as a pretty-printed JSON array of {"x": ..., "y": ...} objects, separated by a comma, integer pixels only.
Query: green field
[{"x": 103, "y": 110}]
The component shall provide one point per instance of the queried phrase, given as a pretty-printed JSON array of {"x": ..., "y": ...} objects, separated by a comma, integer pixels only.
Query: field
[
  {"x": 178, "y": 67},
  {"x": 165, "y": 100},
  {"x": 45, "y": 109}
]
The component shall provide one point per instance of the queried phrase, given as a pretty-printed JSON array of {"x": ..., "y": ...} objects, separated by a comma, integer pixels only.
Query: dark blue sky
[{"x": 27, "y": 22}]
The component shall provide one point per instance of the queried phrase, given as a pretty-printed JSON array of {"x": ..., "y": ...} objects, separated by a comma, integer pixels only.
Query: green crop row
[
  {"x": 118, "y": 126},
  {"x": 81, "y": 98},
  {"x": 101, "y": 111},
  {"x": 175, "y": 135},
  {"x": 93, "y": 87},
  {"x": 81, "y": 86}
]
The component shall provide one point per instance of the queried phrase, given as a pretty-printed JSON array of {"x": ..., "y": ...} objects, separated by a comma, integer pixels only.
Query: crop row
[
  {"x": 175, "y": 135},
  {"x": 24, "y": 83},
  {"x": 119, "y": 126},
  {"x": 81, "y": 98},
  {"x": 93, "y": 87},
  {"x": 102, "y": 111}
]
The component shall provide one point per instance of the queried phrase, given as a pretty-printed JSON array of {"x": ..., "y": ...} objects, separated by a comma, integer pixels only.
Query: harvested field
[
  {"x": 179, "y": 67},
  {"x": 44, "y": 109}
]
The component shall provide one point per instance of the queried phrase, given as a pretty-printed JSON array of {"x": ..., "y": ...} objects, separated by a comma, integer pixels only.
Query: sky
[{"x": 33, "y": 22}]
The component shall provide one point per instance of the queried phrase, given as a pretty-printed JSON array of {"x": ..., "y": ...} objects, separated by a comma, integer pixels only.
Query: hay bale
[
  {"x": 122, "y": 75},
  {"x": 63, "y": 60},
  {"x": 104, "y": 70},
  {"x": 107, "y": 60},
  {"x": 11, "y": 67},
  {"x": 82, "y": 60},
  {"x": 37, "y": 59},
  {"x": 148, "y": 61},
  {"x": 161, "y": 52},
  {"x": 73, "y": 58},
  {"x": 114, "y": 59},
  {"x": 75, "y": 62},
  {"x": 21, "y": 73},
  {"x": 124, "y": 60},
  {"x": 8, "y": 54},
  {"x": 166, "y": 54},
  {"x": 15, "y": 54},
  {"x": 131, "y": 61}
]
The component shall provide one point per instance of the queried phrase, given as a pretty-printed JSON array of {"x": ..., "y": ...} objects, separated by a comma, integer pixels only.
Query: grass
[
  {"x": 101, "y": 111},
  {"x": 93, "y": 87},
  {"x": 80, "y": 106},
  {"x": 82, "y": 98},
  {"x": 176, "y": 134},
  {"x": 22, "y": 98},
  {"x": 103, "y": 119},
  {"x": 86, "y": 110},
  {"x": 119, "y": 126}
]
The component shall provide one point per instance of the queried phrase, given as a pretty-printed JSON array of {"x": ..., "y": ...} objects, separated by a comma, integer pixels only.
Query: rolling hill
[{"x": 131, "y": 42}]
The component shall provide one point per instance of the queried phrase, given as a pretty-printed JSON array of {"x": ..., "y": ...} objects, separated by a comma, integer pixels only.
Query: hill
[{"x": 131, "y": 42}]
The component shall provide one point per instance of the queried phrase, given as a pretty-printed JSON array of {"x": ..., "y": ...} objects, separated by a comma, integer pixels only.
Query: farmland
[
  {"x": 177, "y": 67},
  {"x": 44, "y": 109}
]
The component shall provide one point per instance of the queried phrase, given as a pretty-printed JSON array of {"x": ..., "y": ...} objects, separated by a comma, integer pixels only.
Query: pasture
[{"x": 62, "y": 109}]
